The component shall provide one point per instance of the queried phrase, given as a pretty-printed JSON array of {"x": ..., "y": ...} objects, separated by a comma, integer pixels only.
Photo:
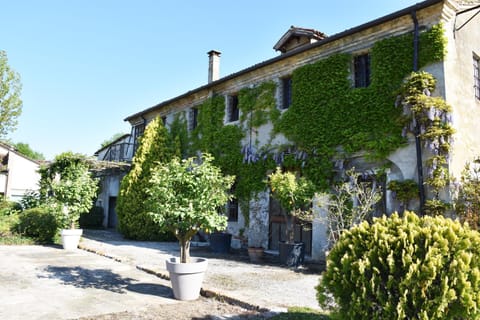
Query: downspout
[{"x": 418, "y": 145}]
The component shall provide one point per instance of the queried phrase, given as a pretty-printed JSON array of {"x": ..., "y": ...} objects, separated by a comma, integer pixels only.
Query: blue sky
[{"x": 86, "y": 65}]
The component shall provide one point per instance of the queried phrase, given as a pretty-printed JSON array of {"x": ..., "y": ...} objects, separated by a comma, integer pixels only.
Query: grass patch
[{"x": 301, "y": 313}]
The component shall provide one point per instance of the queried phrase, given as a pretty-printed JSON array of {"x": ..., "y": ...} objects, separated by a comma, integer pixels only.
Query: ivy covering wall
[
  {"x": 327, "y": 118},
  {"x": 327, "y": 113}
]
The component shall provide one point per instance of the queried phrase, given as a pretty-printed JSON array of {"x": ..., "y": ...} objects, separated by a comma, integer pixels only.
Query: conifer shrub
[
  {"x": 404, "y": 268},
  {"x": 134, "y": 222}
]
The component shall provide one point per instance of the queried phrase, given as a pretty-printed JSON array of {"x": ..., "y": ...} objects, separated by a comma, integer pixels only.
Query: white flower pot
[
  {"x": 71, "y": 238},
  {"x": 186, "y": 278}
]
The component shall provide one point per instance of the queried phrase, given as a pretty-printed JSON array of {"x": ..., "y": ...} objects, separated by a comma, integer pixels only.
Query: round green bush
[
  {"x": 404, "y": 268},
  {"x": 39, "y": 224}
]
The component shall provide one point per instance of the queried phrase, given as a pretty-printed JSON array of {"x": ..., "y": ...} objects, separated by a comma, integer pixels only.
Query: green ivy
[
  {"x": 328, "y": 115},
  {"x": 327, "y": 119},
  {"x": 257, "y": 105},
  {"x": 179, "y": 135}
]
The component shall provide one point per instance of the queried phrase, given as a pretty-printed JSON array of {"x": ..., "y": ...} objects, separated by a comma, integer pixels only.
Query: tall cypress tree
[{"x": 154, "y": 147}]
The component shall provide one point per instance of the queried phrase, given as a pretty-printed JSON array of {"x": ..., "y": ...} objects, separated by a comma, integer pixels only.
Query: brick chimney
[{"x": 213, "y": 65}]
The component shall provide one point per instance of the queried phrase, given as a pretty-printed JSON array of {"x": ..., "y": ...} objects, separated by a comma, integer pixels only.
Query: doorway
[
  {"x": 277, "y": 226},
  {"x": 112, "y": 214}
]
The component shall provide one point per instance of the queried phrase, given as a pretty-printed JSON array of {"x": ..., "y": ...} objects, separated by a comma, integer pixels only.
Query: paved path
[
  {"x": 264, "y": 285},
  {"x": 47, "y": 282}
]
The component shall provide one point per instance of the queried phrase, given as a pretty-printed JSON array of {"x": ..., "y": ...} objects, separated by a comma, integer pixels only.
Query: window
[
  {"x": 193, "y": 120},
  {"x": 361, "y": 65},
  {"x": 286, "y": 93},
  {"x": 233, "y": 112},
  {"x": 476, "y": 76},
  {"x": 137, "y": 133},
  {"x": 232, "y": 208}
]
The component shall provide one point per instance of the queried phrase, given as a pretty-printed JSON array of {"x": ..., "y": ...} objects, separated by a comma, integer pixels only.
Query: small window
[
  {"x": 476, "y": 76},
  {"x": 232, "y": 210},
  {"x": 193, "y": 118},
  {"x": 286, "y": 93},
  {"x": 233, "y": 112},
  {"x": 137, "y": 133},
  {"x": 361, "y": 65}
]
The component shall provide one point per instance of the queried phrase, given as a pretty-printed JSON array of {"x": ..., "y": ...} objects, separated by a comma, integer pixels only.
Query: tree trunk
[
  {"x": 289, "y": 229},
  {"x": 184, "y": 250}
]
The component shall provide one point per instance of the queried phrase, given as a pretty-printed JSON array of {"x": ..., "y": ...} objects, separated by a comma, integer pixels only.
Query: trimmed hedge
[
  {"x": 38, "y": 223},
  {"x": 404, "y": 268}
]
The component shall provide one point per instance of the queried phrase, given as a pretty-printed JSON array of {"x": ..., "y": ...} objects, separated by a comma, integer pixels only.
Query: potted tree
[
  {"x": 69, "y": 189},
  {"x": 295, "y": 196},
  {"x": 184, "y": 197}
]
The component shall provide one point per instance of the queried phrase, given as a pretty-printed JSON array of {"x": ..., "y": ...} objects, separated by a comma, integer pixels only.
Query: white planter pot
[
  {"x": 71, "y": 238},
  {"x": 186, "y": 278}
]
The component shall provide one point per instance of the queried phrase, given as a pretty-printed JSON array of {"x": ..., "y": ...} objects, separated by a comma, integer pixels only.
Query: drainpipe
[{"x": 418, "y": 145}]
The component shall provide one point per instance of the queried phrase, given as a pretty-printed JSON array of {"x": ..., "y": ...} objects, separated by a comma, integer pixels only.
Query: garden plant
[
  {"x": 68, "y": 188},
  {"x": 185, "y": 196},
  {"x": 406, "y": 267},
  {"x": 295, "y": 196}
]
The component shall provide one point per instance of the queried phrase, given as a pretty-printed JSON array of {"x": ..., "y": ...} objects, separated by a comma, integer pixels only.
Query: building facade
[
  {"x": 333, "y": 99},
  {"x": 18, "y": 173}
]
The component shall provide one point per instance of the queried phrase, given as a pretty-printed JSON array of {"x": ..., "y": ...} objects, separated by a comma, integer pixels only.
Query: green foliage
[
  {"x": 184, "y": 197},
  {"x": 210, "y": 126},
  {"x": 68, "y": 187},
  {"x": 467, "y": 195},
  {"x": 327, "y": 113},
  {"x": 179, "y": 135},
  {"x": 428, "y": 118},
  {"x": 26, "y": 150},
  {"x": 112, "y": 139},
  {"x": 295, "y": 196},
  {"x": 31, "y": 199},
  {"x": 93, "y": 218},
  {"x": 301, "y": 313},
  {"x": 9, "y": 208},
  {"x": 38, "y": 223},
  {"x": 8, "y": 234},
  {"x": 405, "y": 268},
  {"x": 257, "y": 105},
  {"x": 404, "y": 191},
  {"x": 10, "y": 101},
  {"x": 224, "y": 143},
  {"x": 133, "y": 219}
]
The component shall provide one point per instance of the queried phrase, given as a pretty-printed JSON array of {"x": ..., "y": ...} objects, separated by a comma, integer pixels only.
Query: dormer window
[
  {"x": 296, "y": 37},
  {"x": 233, "y": 113},
  {"x": 361, "y": 66}
]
